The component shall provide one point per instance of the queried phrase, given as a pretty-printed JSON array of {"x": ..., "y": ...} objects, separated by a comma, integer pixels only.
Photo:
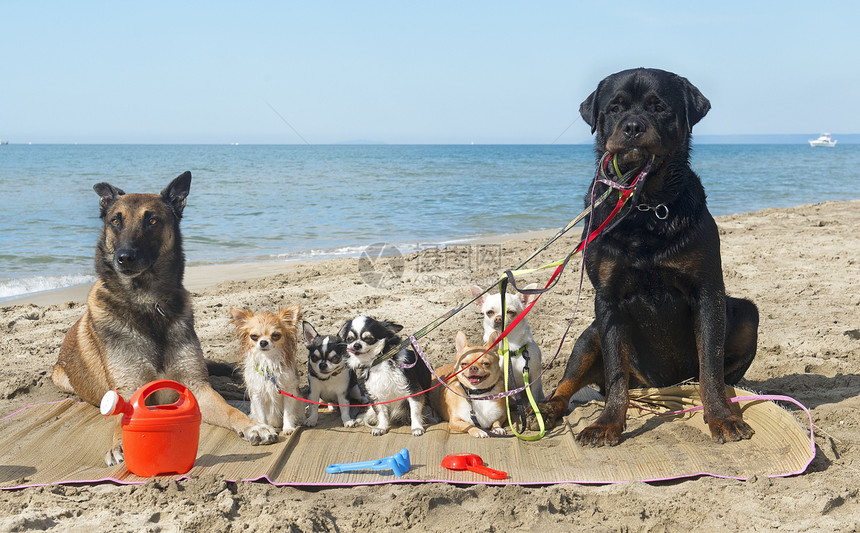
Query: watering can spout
[{"x": 114, "y": 404}]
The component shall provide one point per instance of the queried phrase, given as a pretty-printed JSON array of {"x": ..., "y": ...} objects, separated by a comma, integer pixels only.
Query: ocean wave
[
  {"x": 358, "y": 251},
  {"x": 13, "y": 288}
]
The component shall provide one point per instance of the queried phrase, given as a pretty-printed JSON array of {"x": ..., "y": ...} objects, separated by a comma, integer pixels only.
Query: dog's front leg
[
  {"x": 313, "y": 408},
  {"x": 617, "y": 348},
  {"x": 382, "y": 420},
  {"x": 710, "y": 325},
  {"x": 584, "y": 366},
  {"x": 347, "y": 420},
  {"x": 216, "y": 411},
  {"x": 114, "y": 456},
  {"x": 416, "y": 412},
  {"x": 293, "y": 411}
]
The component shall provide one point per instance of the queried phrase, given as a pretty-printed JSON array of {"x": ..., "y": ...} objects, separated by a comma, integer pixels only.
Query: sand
[{"x": 799, "y": 265}]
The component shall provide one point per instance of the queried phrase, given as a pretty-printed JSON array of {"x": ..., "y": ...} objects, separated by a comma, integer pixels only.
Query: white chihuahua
[{"x": 520, "y": 340}]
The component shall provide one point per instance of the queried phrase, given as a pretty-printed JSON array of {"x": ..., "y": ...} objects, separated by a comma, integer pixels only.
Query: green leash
[{"x": 505, "y": 352}]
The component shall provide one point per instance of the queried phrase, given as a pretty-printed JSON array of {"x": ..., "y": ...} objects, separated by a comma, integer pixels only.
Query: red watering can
[{"x": 157, "y": 439}]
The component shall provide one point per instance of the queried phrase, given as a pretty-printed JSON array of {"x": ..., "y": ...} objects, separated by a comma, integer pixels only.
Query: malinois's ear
[
  {"x": 176, "y": 193},
  {"x": 107, "y": 196}
]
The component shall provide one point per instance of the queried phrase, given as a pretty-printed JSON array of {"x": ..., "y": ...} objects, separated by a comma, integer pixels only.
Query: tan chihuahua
[
  {"x": 269, "y": 344},
  {"x": 480, "y": 376}
]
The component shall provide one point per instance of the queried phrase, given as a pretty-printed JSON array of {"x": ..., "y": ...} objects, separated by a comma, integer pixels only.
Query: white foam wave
[{"x": 12, "y": 288}]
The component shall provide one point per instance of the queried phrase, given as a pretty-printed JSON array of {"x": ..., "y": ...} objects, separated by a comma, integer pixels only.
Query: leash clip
[{"x": 660, "y": 210}]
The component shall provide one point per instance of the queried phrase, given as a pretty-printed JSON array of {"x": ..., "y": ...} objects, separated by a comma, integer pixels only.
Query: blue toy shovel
[{"x": 399, "y": 463}]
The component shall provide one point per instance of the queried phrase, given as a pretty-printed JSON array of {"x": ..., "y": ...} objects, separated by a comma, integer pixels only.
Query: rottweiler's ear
[
  {"x": 176, "y": 193},
  {"x": 590, "y": 109},
  {"x": 697, "y": 106},
  {"x": 107, "y": 196}
]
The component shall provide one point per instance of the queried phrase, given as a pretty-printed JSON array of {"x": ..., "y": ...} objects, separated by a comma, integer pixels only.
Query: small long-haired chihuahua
[{"x": 269, "y": 344}]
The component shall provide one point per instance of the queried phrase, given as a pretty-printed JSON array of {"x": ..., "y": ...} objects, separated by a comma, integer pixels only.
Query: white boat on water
[{"x": 823, "y": 140}]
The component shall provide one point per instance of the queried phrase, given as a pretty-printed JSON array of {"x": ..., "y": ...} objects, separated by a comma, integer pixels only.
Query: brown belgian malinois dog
[{"x": 139, "y": 325}]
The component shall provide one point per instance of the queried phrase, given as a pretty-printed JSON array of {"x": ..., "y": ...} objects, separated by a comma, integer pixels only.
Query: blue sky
[{"x": 409, "y": 72}]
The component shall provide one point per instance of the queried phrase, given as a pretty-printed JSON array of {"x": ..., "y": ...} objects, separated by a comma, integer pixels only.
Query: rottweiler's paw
[
  {"x": 729, "y": 430},
  {"x": 551, "y": 413},
  {"x": 600, "y": 435}
]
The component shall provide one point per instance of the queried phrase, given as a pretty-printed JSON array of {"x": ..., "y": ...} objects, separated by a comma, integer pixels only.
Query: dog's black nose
[
  {"x": 263, "y": 343},
  {"x": 126, "y": 257},
  {"x": 633, "y": 129},
  {"x": 323, "y": 365}
]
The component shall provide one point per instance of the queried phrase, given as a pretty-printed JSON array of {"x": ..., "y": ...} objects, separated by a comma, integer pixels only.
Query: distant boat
[
  {"x": 2, "y": 142},
  {"x": 823, "y": 140}
]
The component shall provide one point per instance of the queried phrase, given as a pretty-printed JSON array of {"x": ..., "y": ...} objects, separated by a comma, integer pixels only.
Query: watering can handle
[{"x": 154, "y": 386}]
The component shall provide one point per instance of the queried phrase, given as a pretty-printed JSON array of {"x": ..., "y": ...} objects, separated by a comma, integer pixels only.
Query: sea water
[{"x": 289, "y": 202}]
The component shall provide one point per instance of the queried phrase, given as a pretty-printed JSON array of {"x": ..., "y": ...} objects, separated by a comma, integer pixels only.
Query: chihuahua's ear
[
  {"x": 240, "y": 316},
  {"x": 309, "y": 332},
  {"x": 493, "y": 336},
  {"x": 392, "y": 327},
  {"x": 344, "y": 331},
  {"x": 526, "y": 298},
  {"x": 460, "y": 343},
  {"x": 478, "y": 293},
  {"x": 290, "y": 315}
]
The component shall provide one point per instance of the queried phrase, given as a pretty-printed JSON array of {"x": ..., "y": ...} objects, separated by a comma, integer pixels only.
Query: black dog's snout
[
  {"x": 323, "y": 365},
  {"x": 126, "y": 257},
  {"x": 633, "y": 129}
]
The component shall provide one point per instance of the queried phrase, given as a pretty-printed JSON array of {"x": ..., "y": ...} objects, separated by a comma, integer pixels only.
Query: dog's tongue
[{"x": 474, "y": 380}]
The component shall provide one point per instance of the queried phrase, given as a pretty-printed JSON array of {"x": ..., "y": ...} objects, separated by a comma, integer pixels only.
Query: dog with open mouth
[
  {"x": 478, "y": 375},
  {"x": 661, "y": 311}
]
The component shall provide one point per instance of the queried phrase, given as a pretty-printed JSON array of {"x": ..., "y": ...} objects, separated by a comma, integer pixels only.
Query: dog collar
[
  {"x": 333, "y": 374},
  {"x": 478, "y": 392},
  {"x": 475, "y": 392}
]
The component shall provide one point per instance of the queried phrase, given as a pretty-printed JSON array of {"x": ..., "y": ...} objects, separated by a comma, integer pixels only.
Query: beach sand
[{"x": 799, "y": 265}]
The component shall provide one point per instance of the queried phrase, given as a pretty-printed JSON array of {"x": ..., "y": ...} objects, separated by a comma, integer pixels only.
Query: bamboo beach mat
[{"x": 65, "y": 442}]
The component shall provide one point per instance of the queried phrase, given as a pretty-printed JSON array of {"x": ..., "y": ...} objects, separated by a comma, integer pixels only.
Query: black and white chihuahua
[
  {"x": 397, "y": 377},
  {"x": 329, "y": 379}
]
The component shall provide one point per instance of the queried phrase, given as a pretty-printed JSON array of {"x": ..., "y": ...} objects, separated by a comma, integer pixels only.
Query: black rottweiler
[{"x": 662, "y": 315}]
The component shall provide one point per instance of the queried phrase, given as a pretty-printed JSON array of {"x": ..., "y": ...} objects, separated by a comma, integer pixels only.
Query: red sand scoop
[
  {"x": 157, "y": 439},
  {"x": 473, "y": 463}
]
